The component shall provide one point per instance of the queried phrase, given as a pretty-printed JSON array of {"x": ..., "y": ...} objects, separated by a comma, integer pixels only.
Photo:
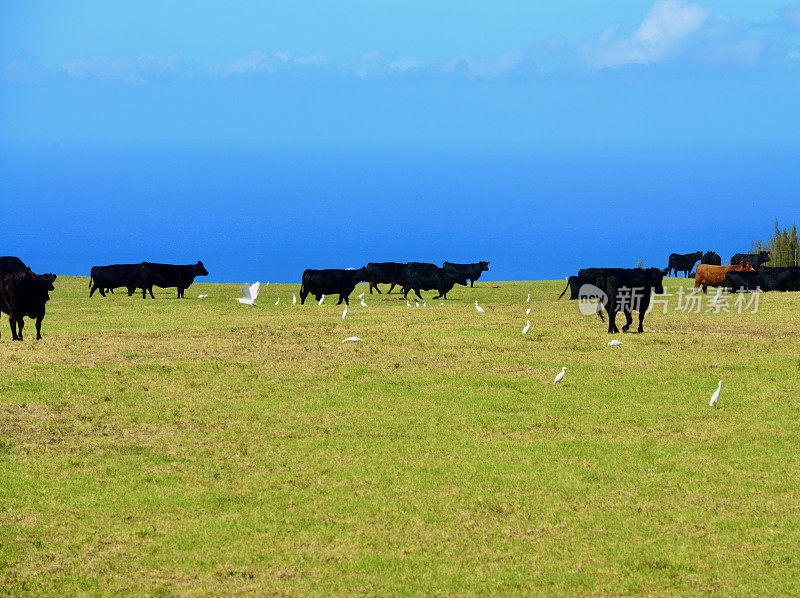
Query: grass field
[{"x": 201, "y": 447}]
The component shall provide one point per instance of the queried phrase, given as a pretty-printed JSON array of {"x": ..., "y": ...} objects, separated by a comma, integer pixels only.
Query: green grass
[{"x": 202, "y": 447}]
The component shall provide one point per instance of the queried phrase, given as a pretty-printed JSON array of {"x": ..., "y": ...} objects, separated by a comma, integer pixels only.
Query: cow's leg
[
  {"x": 39, "y": 327},
  {"x": 150, "y": 289},
  {"x": 391, "y": 287},
  {"x": 20, "y": 324},
  {"x": 416, "y": 292},
  {"x": 471, "y": 283},
  {"x": 92, "y": 290},
  {"x": 110, "y": 290},
  {"x": 303, "y": 295},
  {"x": 641, "y": 320},
  {"x": 317, "y": 297},
  {"x": 628, "y": 321},
  {"x": 405, "y": 292},
  {"x": 705, "y": 289}
]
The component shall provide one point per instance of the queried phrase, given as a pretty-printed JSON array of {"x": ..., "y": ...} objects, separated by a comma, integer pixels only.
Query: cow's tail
[
  {"x": 3, "y": 292},
  {"x": 565, "y": 289}
]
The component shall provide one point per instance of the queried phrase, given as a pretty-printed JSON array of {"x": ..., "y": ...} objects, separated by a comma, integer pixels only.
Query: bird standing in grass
[
  {"x": 528, "y": 311},
  {"x": 559, "y": 375},
  {"x": 352, "y": 339},
  {"x": 321, "y": 299},
  {"x": 715, "y": 396},
  {"x": 528, "y": 300},
  {"x": 363, "y": 303},
  {"x": 527, "y": 327},
  {"x": 361, "y": 295},
  {"x": 478, "y": 308},
  {"x": 294, "y": 299},
  {"x": 615, "y": 343},
  {"x": 278, "y": 301},
  {"x": 407, "y": 303},
  {"x": 344, "y": 312},
  {"x": 202, "y": 296}
]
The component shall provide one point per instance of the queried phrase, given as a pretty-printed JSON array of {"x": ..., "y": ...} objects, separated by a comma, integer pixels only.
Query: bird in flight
[{"x": 249, "y": 294}]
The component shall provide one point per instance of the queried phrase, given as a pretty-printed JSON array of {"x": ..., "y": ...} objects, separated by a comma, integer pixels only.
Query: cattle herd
[{"x": 619, "y": 290}]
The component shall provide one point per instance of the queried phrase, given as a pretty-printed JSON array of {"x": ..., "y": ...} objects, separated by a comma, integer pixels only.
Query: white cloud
[
  {"x": 668, "y": 25},
  {"x": 489, "y": 68},
  {"x": 128, "y": 70}
]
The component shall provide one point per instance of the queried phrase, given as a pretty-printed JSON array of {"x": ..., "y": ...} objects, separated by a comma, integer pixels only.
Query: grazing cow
[
  {"x": 714, "y": 276},
  {"x": 168, "y": 275},
  {"x": 711, "y": 258},
  {"x": 769, "y": 279},
  {"x": 471, "y": 271},
  {"x": 683, "y": 262},
  {"x": 102, "y": 278},
  {"x": 627, "y": 290},
  {"x": 756, "y": 259},
  {"x": 430, "y": 277},
  {"x": 23, "y": 293},
  {"x": 385, "y": 273},
  {"x": 332, "y": 281},
  {"x": 9, "y": 262}
]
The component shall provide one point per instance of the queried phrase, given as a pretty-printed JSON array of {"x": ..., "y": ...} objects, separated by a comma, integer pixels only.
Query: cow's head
[
  {"x": 765, "y": 255},
  {"x": 745, "y": 267},
  {"x": 484, "y": 266},
  {"x": 200, "y": 269}
]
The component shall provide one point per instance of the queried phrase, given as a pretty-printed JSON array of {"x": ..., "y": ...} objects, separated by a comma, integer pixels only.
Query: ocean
[{"x": 266, "y": 211}]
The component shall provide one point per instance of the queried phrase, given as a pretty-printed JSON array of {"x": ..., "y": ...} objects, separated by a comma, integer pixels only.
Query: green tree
[{"x": 783, "y": 246}]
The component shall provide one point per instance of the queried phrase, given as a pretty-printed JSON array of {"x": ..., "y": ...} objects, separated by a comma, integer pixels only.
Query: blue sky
[{"x": 567, "y": 70}]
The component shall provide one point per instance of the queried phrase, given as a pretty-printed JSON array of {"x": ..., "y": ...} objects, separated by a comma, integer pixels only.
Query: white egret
[
  {"x": 715, "y": 396},
  {"x": 479, "y": 309},
  {"x": 716, "y": 297},
  {"x": 363, "y": 303},
  {"x": 424, "y": 304},
  {"x": 559, "y": 375},
  {"x": 528, "y": 300},
  {"x": 202, "y": 296},
  {"x": 615, "y": 343},
  {"x": 361, "y": 295},
  {"x": 527, "y": 327},
  {"x": 407, "y": 303},
  {"x": 294, "y": 299},
  {"x": 321, "y": 299},
  {"x": 249, "y": 294},
  {"x": 528, "y": 311},
  {"x": 441, "y": 304},
  {"x": 278, "y": 301},
  {"x": 344, "y": 312},
  {"x": 352, "y": 339}
]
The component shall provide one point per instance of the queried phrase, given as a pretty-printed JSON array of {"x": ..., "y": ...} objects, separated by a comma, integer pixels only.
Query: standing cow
[
  {"x": 625, "y": 290},
  {"x": 108, "y": 278},
  {"x": 711, "y": 258},
  {"x": 756, "y": 259},
  {"x": 23, "y": 293},
  {"x": 168, "y": 275},
  {"x": 385, "y": 273},
  {"x": 471, "y": 271},
  {"x": 683, "y": 262},
  {"x": 428, "y": 277},
  {"x": 331, "y": 281}
]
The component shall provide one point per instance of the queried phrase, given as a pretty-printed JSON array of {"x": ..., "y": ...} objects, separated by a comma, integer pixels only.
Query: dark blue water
[{"x": 267, "y": 211}]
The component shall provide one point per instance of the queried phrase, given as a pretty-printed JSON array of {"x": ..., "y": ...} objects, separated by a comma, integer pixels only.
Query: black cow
[
  {"x": 766, "y": 279},
  {"x": 23, "y": 293},
  {"x": 574, "y": 283},
  {"x": 626, "y": 290},
  {"x": 332, "y": 281},
  {"x": 711, "y": 258},
  {"x": 9, "y": 262},
  {"x": 113, "y": 276},
  {"x": 683, "y": 262},
  {"x": 471, "y": 271},
  {"x": 756, "y": 259},
  {"x": 385, "y": 273},
  {"x": 429, "y": 277},
  {"x": 168, "y": 275}
]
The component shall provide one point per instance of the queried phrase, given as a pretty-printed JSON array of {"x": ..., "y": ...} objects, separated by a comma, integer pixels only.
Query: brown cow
[
  {"x": 23, "y": 293},
  {"x": 714, "y": 276}
]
